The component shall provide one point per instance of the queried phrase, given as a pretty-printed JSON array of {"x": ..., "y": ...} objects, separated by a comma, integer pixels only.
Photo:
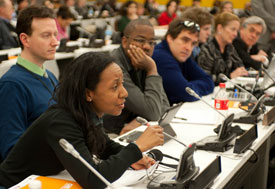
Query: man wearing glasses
[
  {"x": 146, "y": 96},
  {"x": 177, "y": 68}
]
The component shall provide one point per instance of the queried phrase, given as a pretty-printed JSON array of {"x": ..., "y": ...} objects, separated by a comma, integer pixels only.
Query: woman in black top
[{"x": 92, "y": 86}]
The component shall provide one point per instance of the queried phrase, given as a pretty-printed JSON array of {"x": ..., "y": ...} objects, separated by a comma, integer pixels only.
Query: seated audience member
[
  {"x": 246, "y": 43},
  {"x": 8, "y": 37},
  {"x": 167, "y": 16},
  {"x": 205, "y": 21},
  {"x": 48, "y": 3},
  {"x": 71, "y": 5},
  {"x": 108, "y": 8},
  {"x": 92, "y": 86},
  {"x": 82, "y": 8},
  {"x": 177, "y": 68},
  {"x": 21, "y": 4},
  {"x": 219, "y": 55},
  {"x": 247, "y": 12},
  {"x": 146, "y": 94},
  {"x": 196, "y": 3},
  {"x": 64, "y": 18},
  {"x": 128, "y": 12},
  {"x": 26, "y": 89},
  {"x": 151, "y": 7},
  {"x": 226, "y": 6}
]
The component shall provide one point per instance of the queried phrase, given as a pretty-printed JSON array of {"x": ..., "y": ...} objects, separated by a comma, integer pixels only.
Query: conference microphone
[
  {"x": 145, "y": 122},
  {"x": 70, "y": 149},
  {"x": 224, "y": 77},
  {"x": 194, "y": 94}
]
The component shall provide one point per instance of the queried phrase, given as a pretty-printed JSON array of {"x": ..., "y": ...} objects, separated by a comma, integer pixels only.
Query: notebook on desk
[{"x": 164, "y": 122}]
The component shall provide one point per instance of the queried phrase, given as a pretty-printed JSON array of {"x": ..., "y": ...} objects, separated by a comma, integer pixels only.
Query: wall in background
[{"x": 238, "y": 4}]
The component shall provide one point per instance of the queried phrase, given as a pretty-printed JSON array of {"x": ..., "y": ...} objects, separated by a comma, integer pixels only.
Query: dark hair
[
  {"x": 26, "y": 16},
  {"x": 131, "y": 27},
  {"x": 177, "y": 25},
  {"x": 199, "y": 15},
  {"x": 169, "y": 3},
  {"x": 123, "y": 10},
  {"x": 65, "y": 13},
  {"x": 83, "y": 73}
]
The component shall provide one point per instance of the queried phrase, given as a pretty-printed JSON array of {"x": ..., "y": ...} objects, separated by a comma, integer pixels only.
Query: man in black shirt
[
  {"x": 8, "y": 37},
  {"x": 246, "y": 43}
]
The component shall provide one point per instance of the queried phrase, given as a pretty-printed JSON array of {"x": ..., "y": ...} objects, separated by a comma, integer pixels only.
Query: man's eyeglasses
[
  {"x": 190, "y": 24},
  {"x": 143, "y": 41}
]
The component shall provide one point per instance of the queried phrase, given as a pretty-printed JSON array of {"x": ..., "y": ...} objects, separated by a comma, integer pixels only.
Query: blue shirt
[
  {"x": 24, "y": 96},
  {"x": 177, "y": 75}
]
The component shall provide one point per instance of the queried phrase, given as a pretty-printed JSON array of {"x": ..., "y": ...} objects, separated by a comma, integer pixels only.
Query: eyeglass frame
[
  {"x": 190, "y": 24},
  {"x": 141, "y": 41}
]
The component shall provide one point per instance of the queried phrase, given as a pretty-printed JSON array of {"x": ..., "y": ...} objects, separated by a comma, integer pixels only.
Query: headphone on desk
[{"x": 158, "y": 156}]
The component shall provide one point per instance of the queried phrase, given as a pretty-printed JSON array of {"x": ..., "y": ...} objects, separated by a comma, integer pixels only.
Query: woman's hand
[
  {"x": 151, "y": 137},
  {"x": 144, "y": 163},
  {"x": 240, "y": 71}
]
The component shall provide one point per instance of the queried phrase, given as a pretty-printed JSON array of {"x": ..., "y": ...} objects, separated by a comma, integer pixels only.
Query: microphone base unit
[
  {"x": 213, "y": 143},
  {"x": 248, "y": 119},
  {"x": 184, "y": 182}
]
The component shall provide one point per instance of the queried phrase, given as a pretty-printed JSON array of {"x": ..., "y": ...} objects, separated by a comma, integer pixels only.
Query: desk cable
[{"x": 256, "y": 156}]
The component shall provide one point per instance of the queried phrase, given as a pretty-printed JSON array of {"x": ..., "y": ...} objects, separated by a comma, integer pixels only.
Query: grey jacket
[
  {"x": 266, "y": 10},
  {"x": 146, "y": 96},
  {"x": 7, "y": 35},
  {"x": 214, "y": 62}
]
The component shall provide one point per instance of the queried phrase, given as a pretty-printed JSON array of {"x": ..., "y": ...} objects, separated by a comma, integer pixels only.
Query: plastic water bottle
[
  {"x": 108, "y": 35},
  {"x": 35, "y": 184},
  {"x": 221, "y": 99}
]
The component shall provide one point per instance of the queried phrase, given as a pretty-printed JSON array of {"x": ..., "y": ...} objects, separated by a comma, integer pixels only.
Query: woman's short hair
[
  {"x": 254, "y": 20},
  {"x": 224, "y": 19},
  {"x": 198, "y": 15}
]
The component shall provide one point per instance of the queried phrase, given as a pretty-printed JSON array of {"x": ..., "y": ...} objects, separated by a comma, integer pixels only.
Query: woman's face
[
  {"x": 109, "y": 95},
  {"x": 132, "y": 9},
  {"x": 227, "y": 8},
  {"x": 172, "y": 8},
  {"x": 230, "y": 31}
]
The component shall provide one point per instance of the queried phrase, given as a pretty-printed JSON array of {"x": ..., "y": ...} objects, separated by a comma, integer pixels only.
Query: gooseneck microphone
[
  {"x": 224, "y": 77},
  {"x": 70, "y": 149},
  {"x": 145, "y": 122},
  {"x": 194, "y": 94}
]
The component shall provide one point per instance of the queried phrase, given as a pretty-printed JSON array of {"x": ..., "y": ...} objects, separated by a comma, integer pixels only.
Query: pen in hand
[
  {"x": 181, "y": 118},
  {"x": 145, "y": 122}
]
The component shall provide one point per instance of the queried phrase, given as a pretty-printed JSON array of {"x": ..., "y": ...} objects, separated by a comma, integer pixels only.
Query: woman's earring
[{"x": 89, "y": 99}]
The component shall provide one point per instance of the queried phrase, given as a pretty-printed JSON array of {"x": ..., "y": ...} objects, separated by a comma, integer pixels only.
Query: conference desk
[{"x": 238, "y": 171}]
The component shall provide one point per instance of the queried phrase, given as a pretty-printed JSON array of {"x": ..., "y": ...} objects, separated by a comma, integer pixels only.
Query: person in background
[
  {"x": 108, "y": 9},
  {"x": 151, "y": 7},
  {"x": 266, "y": 11},
  {"x": 167, "y": 16},
  {"x": 218, "y": 55},
  {"x": 196, "y": 3},
  {"x": 226, "y": 6},
  {"x": 128, "y": 12},
  {"x": 82, "y": 9},
  {"x": 48, "y": 4},
  {"x": 64, "y": 18},
  {"x": 71, "y": 5},
  {"x": 21, "y": 4},
  {"x": 216, "y": 7},
  {"x": 27, "y": 87},
  {"x": 205, "y": 21},
  {"x": 146, "y": 94},
  {"x": 175, "y": 65},
  {"x": 246, "y": 43},
  {"x": 92, "y": 87},
  {"x": 247, "y": 12},
  {"x": 8, "y": 37}
]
